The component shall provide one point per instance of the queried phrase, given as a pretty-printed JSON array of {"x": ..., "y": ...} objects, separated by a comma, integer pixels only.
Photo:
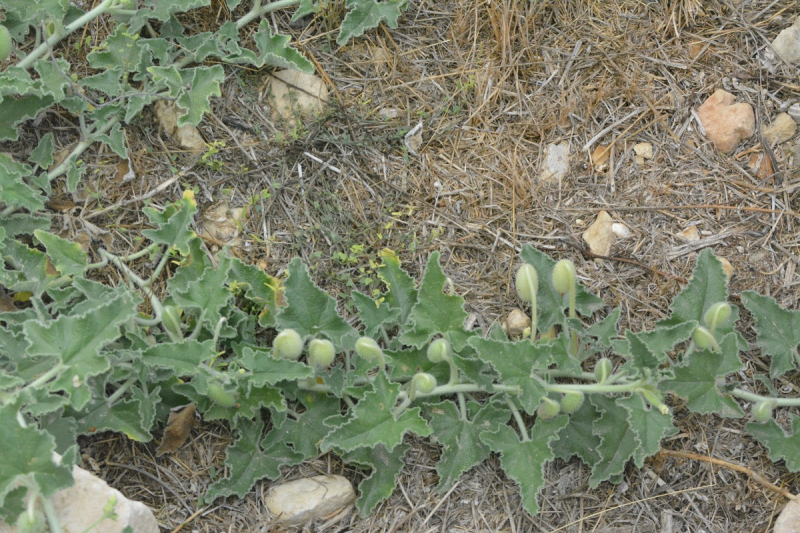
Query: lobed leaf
[
  {"x": 363, "y": 15},
  {"x": 777, "y": 331},
  {"x": 780, "y": 445}
]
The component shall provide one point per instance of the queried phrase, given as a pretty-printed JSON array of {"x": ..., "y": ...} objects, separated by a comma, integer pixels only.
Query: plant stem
[
  {"x": 523, "y": 431},
  {"x": 756, "y": 398}
]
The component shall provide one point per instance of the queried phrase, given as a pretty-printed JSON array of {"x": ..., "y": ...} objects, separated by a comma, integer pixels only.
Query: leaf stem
[
  {"x": 756, "y": 398},
  {"x": 523, "y": 431}
]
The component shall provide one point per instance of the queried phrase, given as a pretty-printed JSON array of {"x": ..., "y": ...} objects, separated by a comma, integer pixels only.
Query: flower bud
[
  {"x": 548, "y": 409},
  {"x": 288, "y": 345},
  {"x": 527, "y": 283},
  {"x": 762, "y": 412},
  {"x": 602, "y": 369},
  {"x": 571, "y": 402},
  {"x": 5, "y": 43},
  {"x": 717, "y": 315},
  {"x": 221, "y": 396},
  {"x": 564, "y": 276},
  {"x": 438, "y": 351},
  {"x": 321, "y": 353},
  {"x": 424, "y": 382},
  {"x": 171, "y": 320},
  {"x": 367, "y": 348}
]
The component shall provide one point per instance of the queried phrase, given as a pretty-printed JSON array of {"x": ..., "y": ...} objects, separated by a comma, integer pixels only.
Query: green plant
[
  {"x": 134, "y": 66},
  {"x": 82, "y": 356}
]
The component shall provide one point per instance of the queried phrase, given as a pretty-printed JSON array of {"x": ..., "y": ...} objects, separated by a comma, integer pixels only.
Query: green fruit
[
  {"x": 368, "y": 349},
  {"x": 438, "y": 351},
  {"x": 602, "y": 369},
  {"x": 548, "y": 409},
  {"x": 717, "y": 315},
  {"x": 5, "y": 43},
  {"x": 31, "y": 523},
  {"x": 321, "y": 353},
  {"x": 527, "y": 283},
  {"x": 704, "y": 339},
  {"x": 171, "y": 320},
  {"x": 288, "y": 345},
  {"x": 762, "y": 412},
  {"x": 571, "y": 402},
  {"x": 424, "y": 382},
  {"x": 221, "y": 396},
  {"x": 564, "y": 276}
]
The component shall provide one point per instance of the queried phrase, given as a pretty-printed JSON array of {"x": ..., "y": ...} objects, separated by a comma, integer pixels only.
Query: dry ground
[{"x": 493, "y": 82}]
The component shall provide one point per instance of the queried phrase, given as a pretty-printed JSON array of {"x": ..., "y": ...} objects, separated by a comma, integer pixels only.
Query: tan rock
[
  {"x": 690, "y": 234},
  {"x": 780, "y": 130},
  {"x": 188, "y": 136},
  {"x": 515, "y": 323},
  {"x": 643, "y": 150},
  {"x": 556, "y": 162},
  {"x": 304, "y": 500},
  {"x": 600, "y": 236},
  {"x": 726, "y": 123},
  {"x": 787, "y": 43},
  {"x": 295, "y": 94},
  {"x": 789, "y": 519}
]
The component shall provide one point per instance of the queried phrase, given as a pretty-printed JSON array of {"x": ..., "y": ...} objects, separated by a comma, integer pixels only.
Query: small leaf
[
  {"x": 779, "y": 444},
  {"x": 182, "y": 358},
  {"x": 179, "y": 425},
  {"x": 68, "y": 257},
  {"x": 618, "y": 442},
  {"x": 204, "y": 84},
  {"x": 363, "y": 15},
  {"x": 777, "y": 331},
  {"x": 173, "y": 229},
  {"x": 380, "y": 484},
  {"x": 268, "y": 370}
]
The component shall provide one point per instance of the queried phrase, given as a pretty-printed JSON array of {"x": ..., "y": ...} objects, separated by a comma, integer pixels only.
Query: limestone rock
[
  {"x": 620, "y": 230},
  {"x": 794, "y": 112},
  {"x": 796, "y": 155},
  {"x": 556, "y": 162},
  {"x": 780, "y": 130},
  {"x": 600, "y": 236},
  {"x": 302, "y": 501},
  {"x": 643, "y": 151},
  {"x": 80, "y": 506},
  {"x": 726, "y": 124},
  {"x": 294, "y": 94},
  {"x": 188, "y": 136},
  {"x": 515, "y": 323},
  {"x": 789, "y": 519},
  {"x": 787, "y": 43},
  {"x": 690, "y": 234}
]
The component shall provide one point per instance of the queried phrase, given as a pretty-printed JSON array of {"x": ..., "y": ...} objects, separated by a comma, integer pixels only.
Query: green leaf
[
  {"x": 275, "y": 50},
  {"x": 435, "y": 312},
  {"x": 34, "y": 12},
  {"x": 259, "y": 288},
  {"x": 380, "y": 484},
  {"x": 182, "y": 358},
  {"x": 209, "y": 294},
  {"x": 576, "y": 438},
  {"x": 173, "y": 229},
  {"x": 524, "y": 461},
  {"x": 115, "y": 139},
  {"x": 649, "y": 426},
  {"x": 460, "y": 437},
  {"x": 372, "y": 422},
  {"x": 618, "y": 441},
  {"x": 76, "y": 341},
  {"x": 28, "y": 454},
  {"x": 23, "y": 223},
  {"x": 550, "y": 302},
  {"x": 696, "y": 380},
  {"x": 268, "y": 370},
  {"x": 42, "y": 155},
  {"x": 162, "y": 11},
  {"x": 120, "y": 50},
  {"x": 195, "y": 101},
  {"x": 777, "y": 331},
  {"x": 131, "y": 417},
  {"x": 401, "y": 291},
  {"x": 305, "y": 430},
  {"x": 779, "y": 444},
  {"x": 51, "y": 80},
  {"x": 250, "y": 459},
  {"x": 363, "y": 15},
  {"x": 68, "y": 257},
  {"x": 517, "y": 362},
  {"x": 311, "y": 311},
  {"x": 14, "y": 191},
  {"x": 605, "y": 329},
  {"x": 30, "y": 269},
  {"x": 108, "y": 82},
  {"x": 373, "y": 314},
  {"x": 648, "y": 349}
]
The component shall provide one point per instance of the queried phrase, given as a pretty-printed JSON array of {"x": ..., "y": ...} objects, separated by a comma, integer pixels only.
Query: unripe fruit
[
  {"x": 571, "y": 402},
  {"x": 527, "y": 283},
  {"x": 221, "y": 396},
  {"x": 368, "y": 349},
  {"x": 564, "y": 276},
  {"x": 704, "y": 339},
  {"x": 438, "y": 351},
  {"x": 288, "y": 345},
  {"x": 762, "y": 412},
  {"x": 5, "y": 43},
  {"x": 424, "y": 382},
  {"x": 35, "y": 523},
  {"x": 548, "y": 409},
  {"x": 321, "y": 352},
  {"x": 602, "y": 369},
  {"x": 717, "y": 315},
  {"x": 171, "y": 320}
]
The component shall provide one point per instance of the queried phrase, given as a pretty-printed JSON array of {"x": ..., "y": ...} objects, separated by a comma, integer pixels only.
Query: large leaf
[
  {"x": 305, "y": 430},
  {"x": 618, "y": 440},
  {"x": 434, "y": 312},
  {"x": 779, "y": 444},
  {"x": 401, "y": 292},
  {"x": 363, "y": 15},
  {"x": 173, "y": 225},
  {"x": 14, "y": 190},
  {"x": 195, "y": 101},
  {"x": 777, "y": 331},
  {"x": 386, "y": 467},
  {"x": 268, "y": 370},
  {"x": 372, "y": 422},
  {"x": 523, "y": 461},
  {"x": 182, "y": 358},
  {"x": 68, "y": 257}
]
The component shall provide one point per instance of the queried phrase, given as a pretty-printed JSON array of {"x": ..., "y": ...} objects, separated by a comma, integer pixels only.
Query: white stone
[
  {"x": 794, "y": 112},
  {"x": 80, "y": 506},
  {"x": 690, "y": 234},
  {"x": 643, "y": 150},
  {"x": 620, "y": 230},
  {"x": 556, "y": 162},
  {"x": 600, "y": 236},
  {"x": 780, "y": 130},
  {"x": 302, "y": 501},
  {"x": 789, "y": 519},
  {"x": 787, "y": 43},
  {"x": 515, "y": 323}
]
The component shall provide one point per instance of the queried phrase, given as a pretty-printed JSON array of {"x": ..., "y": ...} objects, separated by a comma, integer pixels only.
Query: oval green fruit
[
  {"x": 704, "y": 339},
  {"x": 321, "y": 353},
  {"x": 602, "y": 369},
  {"x": 717, "y": 315},
  {"x": 571, "y": 402},
  {"x": 438, "y": 351},
  {"x": 548, "y": 409},
  {"x": 564, "y": 276},
  {"x": 288, "y": 345},
  {"x": 171, "y": 320},
  {"x": 5, "y": 43},
  {"x": 367, "y": 348},
  {"x": 221, "y": 396},
  {"x": 762, "y": 412},
  {"x": 527, "y": 283},
  {"x": 424, "y": 382}
]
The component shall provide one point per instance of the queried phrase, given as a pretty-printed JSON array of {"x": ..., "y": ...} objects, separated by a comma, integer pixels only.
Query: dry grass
[{"x": 492, "y": 84}]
